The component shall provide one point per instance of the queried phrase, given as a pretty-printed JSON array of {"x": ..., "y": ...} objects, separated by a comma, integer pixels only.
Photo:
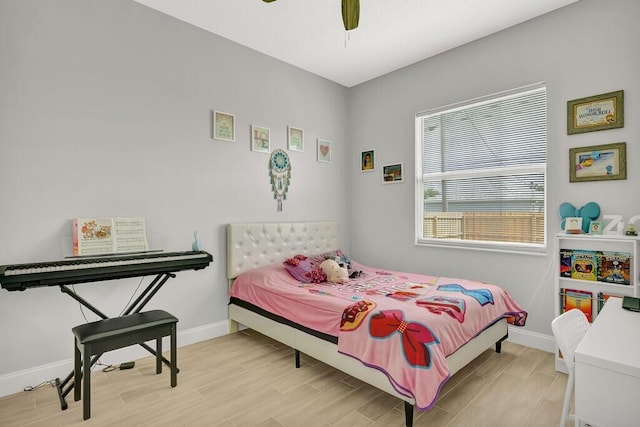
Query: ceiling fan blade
[{"x": 350, "y": 14}]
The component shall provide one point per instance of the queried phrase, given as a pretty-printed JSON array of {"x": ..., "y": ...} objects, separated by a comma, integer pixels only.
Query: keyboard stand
[{"x": 135, "y": 307}]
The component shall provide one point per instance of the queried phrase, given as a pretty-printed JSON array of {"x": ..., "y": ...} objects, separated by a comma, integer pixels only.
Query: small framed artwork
[
  {"x": 392, "y": 174},
  {"x": 598, "y": 112},
  {"x": 598, "y": 162},
  {"x": 260, "y": 139},
  {"x": 573, "y": 225},
  {"x": 367, "y": 161},
  {"x": 324, "y": 150},
  {"x": 595, "y": 227},
  {"x": 224, "y": 126},
  {"x": 295, "y": 139}
]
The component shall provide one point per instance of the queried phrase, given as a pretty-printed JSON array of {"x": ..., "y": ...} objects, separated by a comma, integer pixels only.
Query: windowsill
[{"x": 511, "y": 248}]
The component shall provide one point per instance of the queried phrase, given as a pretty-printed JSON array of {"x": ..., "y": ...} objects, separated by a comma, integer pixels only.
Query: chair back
[{"x": 568, "y": 329}]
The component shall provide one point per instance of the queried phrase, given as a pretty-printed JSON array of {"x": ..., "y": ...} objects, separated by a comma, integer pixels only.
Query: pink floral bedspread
[{"x": 403, "y": 324}]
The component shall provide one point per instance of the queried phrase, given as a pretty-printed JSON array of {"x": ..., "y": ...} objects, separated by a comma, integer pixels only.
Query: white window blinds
[{"x": 481, "y": 169}]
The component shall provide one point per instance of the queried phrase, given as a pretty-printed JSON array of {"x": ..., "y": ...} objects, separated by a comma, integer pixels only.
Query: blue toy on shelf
[{"x": 589, "y": 212}]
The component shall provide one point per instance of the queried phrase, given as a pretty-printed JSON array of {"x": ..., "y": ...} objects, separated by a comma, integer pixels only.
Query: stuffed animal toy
[
  {"x": 334, "y": 272},
  {"x": 344, "y": 262}
]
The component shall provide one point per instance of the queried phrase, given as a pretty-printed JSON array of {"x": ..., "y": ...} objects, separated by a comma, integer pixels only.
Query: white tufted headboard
[{"x": 254, "y": 244}]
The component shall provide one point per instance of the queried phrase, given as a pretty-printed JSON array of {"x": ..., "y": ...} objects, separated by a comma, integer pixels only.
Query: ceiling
[{"x": 392, "y": 33}]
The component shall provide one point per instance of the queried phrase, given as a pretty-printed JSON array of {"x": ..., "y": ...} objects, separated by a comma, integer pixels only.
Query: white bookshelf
[{"x": 598, "y": 244}]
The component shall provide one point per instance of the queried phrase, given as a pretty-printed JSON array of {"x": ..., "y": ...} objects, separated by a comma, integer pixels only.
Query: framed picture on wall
[
  {"x": 260, "y": 137},
  {"x": 295, "y": 139},
  {"x": 367, "y": 161},
  {"x": 324, "y": 150},
  {"x": 392, "y": 174},
  {"x": 598, "y": 162},
  {"x": 598, "y": 112},
  {"x": 224, "y": 126}
]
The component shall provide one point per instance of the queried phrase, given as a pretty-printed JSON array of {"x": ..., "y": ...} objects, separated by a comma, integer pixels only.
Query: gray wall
[
  {"x": 587, "y": 48},
  {"x": 105, "y": 111}
]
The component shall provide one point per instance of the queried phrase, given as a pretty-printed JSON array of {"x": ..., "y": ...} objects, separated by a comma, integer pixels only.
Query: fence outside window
[{"x": 512, "y": 227}]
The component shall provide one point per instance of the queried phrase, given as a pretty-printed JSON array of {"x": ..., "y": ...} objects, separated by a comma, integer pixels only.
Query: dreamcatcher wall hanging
[{"x": 280, "y": 173}]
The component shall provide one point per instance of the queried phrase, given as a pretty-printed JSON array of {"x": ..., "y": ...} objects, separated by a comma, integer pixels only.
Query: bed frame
[{"x": 252, "y": 245}]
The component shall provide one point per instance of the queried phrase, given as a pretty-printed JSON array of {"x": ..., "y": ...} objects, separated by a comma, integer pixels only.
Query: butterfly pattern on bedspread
[{"x": 416, "y": 337}]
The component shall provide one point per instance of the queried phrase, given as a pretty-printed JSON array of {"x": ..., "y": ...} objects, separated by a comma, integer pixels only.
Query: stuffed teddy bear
[
  {"x": 345, "y": 262},
  {"x": 334, "y": 272}
]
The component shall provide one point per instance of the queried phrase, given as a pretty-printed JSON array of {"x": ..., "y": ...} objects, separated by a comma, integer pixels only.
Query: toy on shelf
[
  {"x": 589, "y": 212},
  {"x": 631, "y": 230}
]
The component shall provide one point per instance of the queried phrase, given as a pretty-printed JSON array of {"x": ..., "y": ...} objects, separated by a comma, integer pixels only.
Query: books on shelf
[
  {"x": 602, "y": 298},
  {"x": 614, "y": 267},
  {"x": 582, "y": 300},
  {"x": 565, "y": 262},
  {"x": 584, "y": 265},
  {"x": 101, "y": 236},
  {"x": 603, "y": 266}
]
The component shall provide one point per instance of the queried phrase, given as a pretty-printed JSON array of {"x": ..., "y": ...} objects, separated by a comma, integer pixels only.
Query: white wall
[
  {"x": 587, "y": 48},
  {"x": 105, "y": 111}
]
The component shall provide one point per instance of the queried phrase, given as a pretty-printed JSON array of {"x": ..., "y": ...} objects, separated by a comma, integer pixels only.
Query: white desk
[{"x": 607, "y": 364}]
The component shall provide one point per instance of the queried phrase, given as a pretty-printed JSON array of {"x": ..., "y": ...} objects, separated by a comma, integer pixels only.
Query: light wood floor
[{"x": 246, "y": 379}]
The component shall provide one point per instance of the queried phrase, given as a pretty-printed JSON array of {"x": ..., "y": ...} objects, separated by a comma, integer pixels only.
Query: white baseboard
[
  {"x": 531, "y": 339},
  {"x": 15, "y": 382}
]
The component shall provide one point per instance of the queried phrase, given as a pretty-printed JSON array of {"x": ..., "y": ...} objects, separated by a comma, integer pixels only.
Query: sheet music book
[{"x": 102, "y": 236}]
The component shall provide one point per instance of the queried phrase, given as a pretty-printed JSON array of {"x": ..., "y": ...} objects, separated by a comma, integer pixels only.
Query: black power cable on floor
[{"x": 52, "y": 383}]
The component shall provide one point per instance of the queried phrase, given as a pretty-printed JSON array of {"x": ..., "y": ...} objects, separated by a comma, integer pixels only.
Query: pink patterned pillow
[
  {"x": 336, "y": 255},
  {"x": 303, "y": 271},
  {"x": 295, "y": 261}
]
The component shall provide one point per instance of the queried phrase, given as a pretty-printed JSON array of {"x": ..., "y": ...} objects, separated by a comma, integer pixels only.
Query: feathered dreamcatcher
[{"x": 280, "y": 173}]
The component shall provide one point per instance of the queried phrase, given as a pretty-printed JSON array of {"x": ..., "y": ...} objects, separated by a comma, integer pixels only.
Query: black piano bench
[{"x": 105, "y": 335}]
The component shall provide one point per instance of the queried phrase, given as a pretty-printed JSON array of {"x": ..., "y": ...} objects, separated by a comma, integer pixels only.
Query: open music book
[{"x": 98, "y": 236}]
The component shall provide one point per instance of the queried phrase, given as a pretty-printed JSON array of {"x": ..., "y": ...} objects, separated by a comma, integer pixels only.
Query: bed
[{"x": 256, "y": 247}]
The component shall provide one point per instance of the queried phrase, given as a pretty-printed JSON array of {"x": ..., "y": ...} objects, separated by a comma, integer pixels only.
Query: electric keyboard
[{"x": 19, "y": 277}]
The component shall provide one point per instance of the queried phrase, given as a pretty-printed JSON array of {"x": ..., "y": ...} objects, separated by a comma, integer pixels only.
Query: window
[{"x": 481, "y": 172}]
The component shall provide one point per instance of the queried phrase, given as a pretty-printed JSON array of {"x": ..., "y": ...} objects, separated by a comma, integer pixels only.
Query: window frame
[{"x": 420, "y": 178}]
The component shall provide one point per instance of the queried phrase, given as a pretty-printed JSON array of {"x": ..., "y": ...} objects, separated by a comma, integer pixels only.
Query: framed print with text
[
  {"x": 224, "y": 126},
  {"x": 598, "y": 112},
  {"x": 295, "y": 139},
  {"x": 260, "y": 139}
]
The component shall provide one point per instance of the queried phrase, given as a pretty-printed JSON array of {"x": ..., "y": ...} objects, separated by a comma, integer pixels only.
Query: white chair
[{"x": 568, "y": 329}]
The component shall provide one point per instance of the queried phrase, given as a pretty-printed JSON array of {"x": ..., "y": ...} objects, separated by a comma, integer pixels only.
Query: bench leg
[
  {"x": 158, "y": 355},
  {"x": 77, "y": 373},
  {"x": 86, "y": 378},
  {"x": 174, "y": 357}
]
